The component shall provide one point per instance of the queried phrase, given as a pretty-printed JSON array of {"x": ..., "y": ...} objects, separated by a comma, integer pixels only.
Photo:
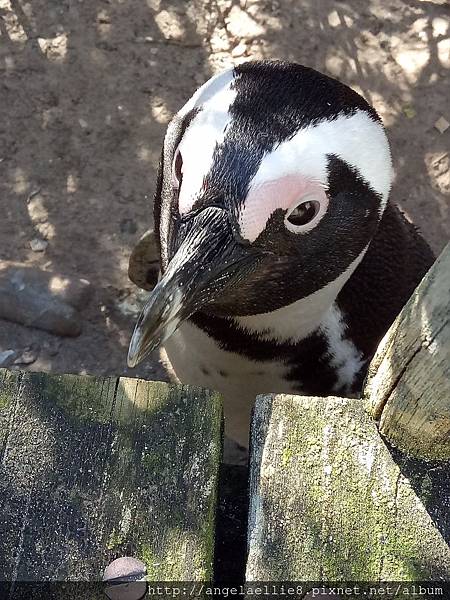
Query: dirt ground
[{"x": 88, "y": 86}]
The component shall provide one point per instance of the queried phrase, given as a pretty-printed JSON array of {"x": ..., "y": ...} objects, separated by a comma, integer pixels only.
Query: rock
[
  {"x": 442, "y": 125},
  {"x": 7, "y": 358},
  {"x": 135, "y": 590},
  {"x": 170, "y": 25},
  {"x": 125, "y": 579},
  {"x": 73, "y": 290},
  {"x": 38, "y": 245},
  {"x": 41, "y": 299},
  {"x": 334, "y": 20},
  {"x": 443, "y": 50},
  {"x": 54, "y": 48},
  {"x": 412, "y": 58},
  {"x": 241, "y": 25},
  {"x": 45, "y": 313},
  {"x": 239, "y": 50},
  {"x": 28, "y": 355}
]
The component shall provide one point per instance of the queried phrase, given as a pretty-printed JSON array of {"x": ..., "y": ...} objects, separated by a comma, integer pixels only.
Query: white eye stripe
[
  {"x": 302, "y": 164},
  {"x": 208, "y": 90},
  {"x": 356, "y": 139},
  {"x": 205, "y": 131}
]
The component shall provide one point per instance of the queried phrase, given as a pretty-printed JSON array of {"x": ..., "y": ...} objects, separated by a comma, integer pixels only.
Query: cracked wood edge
[
  {"x": 408, "y": 384},
  {"x": 95, "y": 468},
  {"x": 328, "y": 502}
]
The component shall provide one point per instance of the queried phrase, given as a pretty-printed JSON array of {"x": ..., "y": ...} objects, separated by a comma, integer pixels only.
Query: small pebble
[
  {"x": 38, "y": 245},
  {"x": 7, "y": 358},
  {"x": 125, "y": 579},
  {"x": 125, "y": 567},
  {"x": 442, "y": 125},
  {"x": 28, "y": 355},
  {"x": 239, "y": 50}
]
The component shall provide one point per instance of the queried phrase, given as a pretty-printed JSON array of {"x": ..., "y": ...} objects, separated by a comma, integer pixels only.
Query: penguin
[{"x": 283, "y": 261}]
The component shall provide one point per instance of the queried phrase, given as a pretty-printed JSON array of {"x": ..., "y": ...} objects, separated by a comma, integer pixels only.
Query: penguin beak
[{"x": 207, "y": 262}]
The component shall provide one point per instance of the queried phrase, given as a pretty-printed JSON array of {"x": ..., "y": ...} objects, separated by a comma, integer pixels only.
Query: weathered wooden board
[
  {"x": 408, "y": 386},
  {"x": 95, "y": 468},
  {"x": 329, "y": 503}
]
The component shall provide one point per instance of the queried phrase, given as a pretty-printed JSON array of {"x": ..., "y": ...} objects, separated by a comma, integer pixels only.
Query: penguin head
[{"x": 272, "y": 182}]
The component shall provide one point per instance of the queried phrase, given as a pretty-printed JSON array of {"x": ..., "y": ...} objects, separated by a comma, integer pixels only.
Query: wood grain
[
  {"x": 408, "y": 385},
  {"x": 97, "y": 468},
  {"x": 329, "y": 503}
]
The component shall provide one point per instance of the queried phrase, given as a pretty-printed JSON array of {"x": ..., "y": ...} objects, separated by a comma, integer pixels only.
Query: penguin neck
[{"x": 298, "y": 320}]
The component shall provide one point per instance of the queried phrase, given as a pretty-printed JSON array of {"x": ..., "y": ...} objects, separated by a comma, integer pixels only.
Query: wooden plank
[
  {"x": 408, "y": 386},
  {"x": 96, "y": 468},
  {"x": 329, "y": 503}
]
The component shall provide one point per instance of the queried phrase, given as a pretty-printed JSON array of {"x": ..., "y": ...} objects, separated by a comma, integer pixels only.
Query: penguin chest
[
  {"x": 198, "y": 359},
  {"x": 242, "y": 365},
  {"x": 318, "y": 360}
]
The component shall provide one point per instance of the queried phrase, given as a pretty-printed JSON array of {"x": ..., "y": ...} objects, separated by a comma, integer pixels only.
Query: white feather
[
  {"x": 356, "y": 139},
  {"x": 191, "y": 351},
  {"x": 205, "y": 132},
  {"x": 296, "y": 321},
  {"x": 344, "y": 357},
  {"x": 208, "y": 90}
]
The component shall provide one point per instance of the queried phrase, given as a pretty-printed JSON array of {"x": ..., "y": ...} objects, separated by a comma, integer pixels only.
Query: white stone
[
  {"x": 412, "y": 59},
  {"x": 38, "y": 245},
  {"x": 239, "y": 50},
  {"x": 442, "y": 125},
  {"x": 241, "y": 25},
  {"x": 443, "y": 51},
  {"x": 334, "y": 20}
]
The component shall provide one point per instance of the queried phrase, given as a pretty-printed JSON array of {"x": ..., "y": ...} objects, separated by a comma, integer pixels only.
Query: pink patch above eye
[{"x": 264, "y": 199}]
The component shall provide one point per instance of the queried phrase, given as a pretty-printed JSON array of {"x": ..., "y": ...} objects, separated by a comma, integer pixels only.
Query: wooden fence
[{"x": 340, "y": 489}]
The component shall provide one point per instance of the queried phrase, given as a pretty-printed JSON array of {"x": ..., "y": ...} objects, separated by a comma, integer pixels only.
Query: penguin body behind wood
[{"x": 283, "y": 262}]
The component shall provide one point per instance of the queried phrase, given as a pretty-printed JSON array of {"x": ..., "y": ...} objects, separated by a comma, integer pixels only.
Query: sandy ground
[{"x": 87, "y": 88}]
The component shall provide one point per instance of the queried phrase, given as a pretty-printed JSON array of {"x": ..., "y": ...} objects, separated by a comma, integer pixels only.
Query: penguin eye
[
  {"x": 303, "y": 216},
  {"x": 177, "y": 169},
  {"x": 303, "y": 213}
]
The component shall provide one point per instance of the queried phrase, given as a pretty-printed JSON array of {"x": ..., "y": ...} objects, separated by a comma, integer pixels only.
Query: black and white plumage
[{"x": 283, "y": 262}]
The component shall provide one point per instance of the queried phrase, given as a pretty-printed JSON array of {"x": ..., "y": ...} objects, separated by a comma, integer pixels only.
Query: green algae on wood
[
  {"x": 9, "y": 381},
  {"x": 408, "y": 384},
  {"x": 329, "y": 503},
  {"x": 83, "y": 399},
  {"x": 96, "y": 468},
  {"x": 9, "y": 384}
]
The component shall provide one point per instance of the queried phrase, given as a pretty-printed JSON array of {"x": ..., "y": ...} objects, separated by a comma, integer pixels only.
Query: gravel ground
[{"x": 87, "y": 88}]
